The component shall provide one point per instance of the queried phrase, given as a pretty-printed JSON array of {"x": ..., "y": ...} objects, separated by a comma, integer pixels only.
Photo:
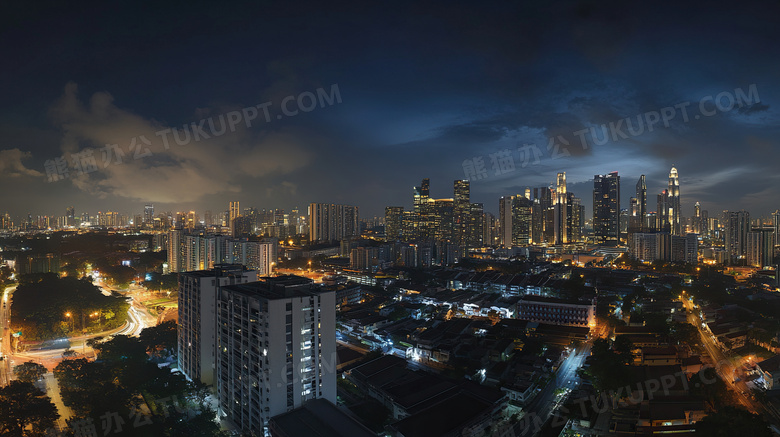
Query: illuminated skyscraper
[
  {"x": 521, "y": 221},
  {"x": 148, "y": 215},
  {"x": 505, "y": 220},
  {"x": 461, "y": 210},
  {"x": 606, "y": 208},
  {"x": 673, "y": 203},
  {"x": 560, "y": 220},
  {"x": 638, "y": 207},
  {"x": 575, "y": 215},
  {"x": 393, "y": 222},
  {"x": 234, "y": 211}
]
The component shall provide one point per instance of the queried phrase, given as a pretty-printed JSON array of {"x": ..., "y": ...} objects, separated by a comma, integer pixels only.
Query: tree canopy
[
  {"x": 25, "y": 410},
  {"x": 29, "y": 371},
  {"x": 47, "y": 306},
  {"x": 123, "y": 378}
]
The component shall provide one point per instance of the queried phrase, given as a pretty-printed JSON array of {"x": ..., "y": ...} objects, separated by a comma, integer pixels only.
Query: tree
[
  {"x": 711, "y": 387},
  {"x": 121, "y": 348},
  {"x": 46, "y": 306},
  {"x": 120, "y": 276},
  {"x": 731, "y": 421},
  {"x": 609, "y": 368},
  {"x": 25, "y": 410},
  {"x": 29, "y": 371},
  {"x": 685, "y": 333},
  {"x": 161, "y": 340}
]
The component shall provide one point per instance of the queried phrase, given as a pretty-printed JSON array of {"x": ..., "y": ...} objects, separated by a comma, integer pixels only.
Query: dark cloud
[{"x": 425, "y": 86}]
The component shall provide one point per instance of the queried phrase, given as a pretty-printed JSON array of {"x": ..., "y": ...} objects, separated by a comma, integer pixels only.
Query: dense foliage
[
  {"x": 29, "y": 371},
  {"x": 25, "y": 410},
  {"x": 46, "y": 306},
  {"x": 125, "y": 383}
]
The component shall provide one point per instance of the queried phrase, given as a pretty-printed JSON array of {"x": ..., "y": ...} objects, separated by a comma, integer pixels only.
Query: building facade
[{"x": 276, "y": 349}]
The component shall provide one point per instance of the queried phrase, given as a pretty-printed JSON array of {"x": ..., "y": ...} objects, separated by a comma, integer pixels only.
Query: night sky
[{"x": 423, "y": 89}]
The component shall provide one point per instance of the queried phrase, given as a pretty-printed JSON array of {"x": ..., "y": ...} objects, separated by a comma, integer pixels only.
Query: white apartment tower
[{"x": 276, "y": 349}]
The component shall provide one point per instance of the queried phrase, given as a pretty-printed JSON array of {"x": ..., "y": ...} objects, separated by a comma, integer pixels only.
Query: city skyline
[{"x": 688, "y": 205}]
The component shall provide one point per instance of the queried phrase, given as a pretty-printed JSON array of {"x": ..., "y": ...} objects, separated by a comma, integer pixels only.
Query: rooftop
[
  {"x": 317, "y": 418},
  {"x": 278, "y": 287}
]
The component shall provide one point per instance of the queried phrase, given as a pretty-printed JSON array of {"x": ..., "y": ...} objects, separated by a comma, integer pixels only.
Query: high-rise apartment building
[
  {"x": 197, "y": 331},
  {"x": 737, "y": 226},
  {"x": 276, "y": 348},
  {"x": 760, "y": 247},
  {"x": 331, "y": 222},
  {"x": 606, "y": 208}
]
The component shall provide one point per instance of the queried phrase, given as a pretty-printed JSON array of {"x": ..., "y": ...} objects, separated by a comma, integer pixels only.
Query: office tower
[
  {"x": 674, "y": 214},
  {"x": 522, "y": 210},
  {"x": 760, "y": 247},
  {"x": 208, "y": 218},
  {"x": 422, "y": 206},
  {"x": 737, "y": 227},
  {"x": 276, "y": 349},
  {"x": 474, "y": 229},
  {"x": 5, "y": 221},
  {"x": 421, "y": 195},
  {"x": 697, "y": 222},
  {"x": 148, "y": 219},
  {"x": 192, "y": 221},
  {"x": 575, "y": 215},
  {"x": 292, "y": 223},
  {"x": 638, "y": 207},
  {"x": 776, "y": 228},
  {"x": 461, "y": 210},
  {"x": 546, "y": 214},
  {"x": 560, "y": 219},
  {"x": 606, "y": 208},
  {"x": 489, "y": 229},
  {"x": 692, "y": 248},
  {"x": 505, "y": 220},
  {"x": 663, "y": 222},
  {"x": 624, "y": 219},
  {"x": 704, "y": 222},
  {"x": 330, "y": 222},
  {"x": 198, "y": 318},
  {"x": 70, "y": 216},
  {"x": 234, "y": 210},
  {"x": 393, "y": 222}
]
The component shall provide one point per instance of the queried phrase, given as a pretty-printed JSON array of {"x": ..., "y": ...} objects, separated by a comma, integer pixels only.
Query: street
[
  {"x": 726, "y": 370},
  {"x": 5, "y": 337},
  {"x": 544, "y": 404}
]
